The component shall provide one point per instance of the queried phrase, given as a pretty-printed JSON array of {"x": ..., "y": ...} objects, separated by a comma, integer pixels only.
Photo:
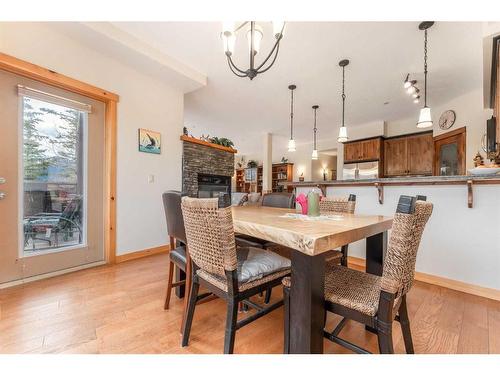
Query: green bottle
[{"x": 312, "y": 204}]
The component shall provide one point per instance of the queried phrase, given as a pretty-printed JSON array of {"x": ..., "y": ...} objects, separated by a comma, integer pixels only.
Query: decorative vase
[
  {"x": 313, "y": 204},
  {"x": 302, "y": 200}
]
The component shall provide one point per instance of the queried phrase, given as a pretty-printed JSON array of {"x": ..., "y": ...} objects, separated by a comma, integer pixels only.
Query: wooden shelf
[{"x": 185, "y": 138}]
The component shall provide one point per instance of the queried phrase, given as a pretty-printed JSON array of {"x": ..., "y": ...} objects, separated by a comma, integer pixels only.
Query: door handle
[{"x": 2, "y": 195}]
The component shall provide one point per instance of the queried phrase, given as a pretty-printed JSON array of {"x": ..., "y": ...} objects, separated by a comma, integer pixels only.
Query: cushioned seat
[
  {"x": 178, "y": 256},
  {"x": 255, "y": 266}
]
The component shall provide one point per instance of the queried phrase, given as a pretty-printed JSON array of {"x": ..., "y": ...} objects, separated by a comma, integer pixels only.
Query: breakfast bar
[{"x": 460, "y": 247}]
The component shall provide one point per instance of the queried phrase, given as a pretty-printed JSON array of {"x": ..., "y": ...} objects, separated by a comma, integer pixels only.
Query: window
[{"x": 53, "y": 173}]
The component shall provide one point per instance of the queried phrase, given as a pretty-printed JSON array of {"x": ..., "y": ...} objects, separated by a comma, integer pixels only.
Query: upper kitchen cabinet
[
  {"x": 364, "y": 150},
  {"x": 409, "y": 155}
]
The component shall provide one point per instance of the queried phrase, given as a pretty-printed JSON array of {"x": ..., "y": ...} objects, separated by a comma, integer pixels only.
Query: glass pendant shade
[
  {"x": 407, "y": 84},
  {"x": 411, "y": 90},
  {"x": 342, "y": 134},
  {"x": 314, "y": 155},
  {"x": 425, "y": 119},
  {"x": 257, "y": 38},
  {"x": 291, "y": 145}
]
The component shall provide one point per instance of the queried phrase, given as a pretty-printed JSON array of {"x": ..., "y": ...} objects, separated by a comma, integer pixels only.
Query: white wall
[
  {"x": 459, "y": 243},
  {"x": 144, "y": 103}
]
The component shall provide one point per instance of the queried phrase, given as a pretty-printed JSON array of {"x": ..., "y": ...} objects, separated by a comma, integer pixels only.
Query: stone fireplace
[{"x": 207, "y": 165}]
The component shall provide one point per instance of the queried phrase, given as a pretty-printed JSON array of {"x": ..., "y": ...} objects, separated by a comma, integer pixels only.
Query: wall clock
[{"x": 447, "y": 119}]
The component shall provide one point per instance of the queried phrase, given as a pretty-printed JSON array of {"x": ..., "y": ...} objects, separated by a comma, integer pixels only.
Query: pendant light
[
  {"x": 291, "y": 142},
  {"x": 343, "y": 130},
  {"x": 425, "y": 119},
  {"x": 314, "y": 155}
]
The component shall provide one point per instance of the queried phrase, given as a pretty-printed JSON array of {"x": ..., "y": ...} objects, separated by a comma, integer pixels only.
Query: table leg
[
  {"x": 307, "y": 312},
  {"x": 376, "y": 247}
]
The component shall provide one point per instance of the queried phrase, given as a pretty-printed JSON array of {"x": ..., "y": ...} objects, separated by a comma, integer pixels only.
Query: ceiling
[{"x": 381, "y": 53}]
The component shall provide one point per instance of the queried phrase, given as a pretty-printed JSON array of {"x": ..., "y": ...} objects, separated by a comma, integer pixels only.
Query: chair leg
[
  {"x": 384, "y": 334},
  {"x": 268, "y": 296},
  {"x": 343, "y": 260},
  {"x": 232, "y": 315},
  {"x": 405, "y": 326},
  {"x": 286, "y": 328},
  {"x": 188, "y": 321},
  {"x": 169, "y": 284}
]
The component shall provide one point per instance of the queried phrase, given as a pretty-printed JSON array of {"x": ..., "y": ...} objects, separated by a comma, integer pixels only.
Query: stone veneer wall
[{"x": 205, "y": 160}]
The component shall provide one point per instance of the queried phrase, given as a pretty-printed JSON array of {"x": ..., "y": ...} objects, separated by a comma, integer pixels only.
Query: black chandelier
[{"x": 254, "y": 35}]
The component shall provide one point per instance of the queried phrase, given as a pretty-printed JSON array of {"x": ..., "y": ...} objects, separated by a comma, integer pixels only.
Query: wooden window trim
[{"x": 50, "y": 77}]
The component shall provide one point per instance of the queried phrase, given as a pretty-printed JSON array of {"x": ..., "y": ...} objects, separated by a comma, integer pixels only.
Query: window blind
[{"x": 52, "y": 98}]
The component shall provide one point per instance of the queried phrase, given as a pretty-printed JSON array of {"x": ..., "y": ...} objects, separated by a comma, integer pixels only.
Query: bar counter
[{"x": 379, "y": 183}]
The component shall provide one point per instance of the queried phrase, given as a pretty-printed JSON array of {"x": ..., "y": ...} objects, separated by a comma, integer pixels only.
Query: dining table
[{"x": 309, "y": 238}]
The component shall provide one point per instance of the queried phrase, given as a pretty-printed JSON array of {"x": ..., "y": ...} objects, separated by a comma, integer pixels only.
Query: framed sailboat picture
[{"x": 149, "y": 141}]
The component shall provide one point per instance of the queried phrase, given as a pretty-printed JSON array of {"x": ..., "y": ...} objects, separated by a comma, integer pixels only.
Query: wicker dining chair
[
  {"x": 333, "y": 206},
  {"x": 376, "y": 301},
  {"x": 232, "y": 275}
]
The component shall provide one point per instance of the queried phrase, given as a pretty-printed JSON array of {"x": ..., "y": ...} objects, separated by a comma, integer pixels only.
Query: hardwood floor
[{"x": 119, "y": 309}]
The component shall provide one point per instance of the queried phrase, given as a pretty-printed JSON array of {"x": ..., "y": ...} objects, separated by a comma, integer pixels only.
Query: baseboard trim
[
  {"x": 142, "y": 253},
  {"x": 460, "y": 286},
  {"x": 50, "y": 274}
]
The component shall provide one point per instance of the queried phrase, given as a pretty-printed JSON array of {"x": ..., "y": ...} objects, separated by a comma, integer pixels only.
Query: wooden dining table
[{"x": 309, "y": 239}]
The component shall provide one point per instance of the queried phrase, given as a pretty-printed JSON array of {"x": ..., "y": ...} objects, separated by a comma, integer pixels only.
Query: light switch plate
[{"x": 151, "y": 178}]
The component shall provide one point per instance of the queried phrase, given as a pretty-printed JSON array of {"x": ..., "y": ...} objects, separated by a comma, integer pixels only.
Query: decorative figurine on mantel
[
  {"x": 284, "y": 160},
  {"x": 301, "y": 177},
  {"x": 478, "y": 160}
]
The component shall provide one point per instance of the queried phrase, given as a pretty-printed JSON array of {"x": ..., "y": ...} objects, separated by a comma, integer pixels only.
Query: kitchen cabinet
[
  {"x": 363, "y": 150},
  {"x": 409, "y": 155}
]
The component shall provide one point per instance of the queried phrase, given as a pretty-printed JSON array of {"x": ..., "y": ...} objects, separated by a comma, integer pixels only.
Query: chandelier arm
[
  {"x": 275, "y": 47},
  {"x": 239, "y": 27},
  {"x": 272, "y": 62},
  {"x": 234, "y": 71},
  {"x": 234, "y": 67}
]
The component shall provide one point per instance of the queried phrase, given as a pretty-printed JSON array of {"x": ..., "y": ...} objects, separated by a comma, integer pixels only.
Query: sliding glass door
[{"x": 52, "y": 164}]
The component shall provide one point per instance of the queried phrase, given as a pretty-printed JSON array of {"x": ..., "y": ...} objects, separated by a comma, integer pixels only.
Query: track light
[
  {"x": 416, "y": 93},
  {"x": 416, "y": 100}
]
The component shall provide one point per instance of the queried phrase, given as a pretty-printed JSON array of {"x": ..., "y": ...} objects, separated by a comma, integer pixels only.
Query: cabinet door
[
  {"x": 449, "y": 152},
  {"x": 352, "y": 152},
  {"x": 420, "y": 154},
  {"x": 395, "y": 157},
  {"x": 370, "y": 149}
]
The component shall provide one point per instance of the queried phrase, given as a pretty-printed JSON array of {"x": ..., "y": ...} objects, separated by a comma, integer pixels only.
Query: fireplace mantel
[{"x": 186, "y": 138}]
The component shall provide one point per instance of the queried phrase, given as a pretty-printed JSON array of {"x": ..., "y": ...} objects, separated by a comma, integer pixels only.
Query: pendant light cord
[
  {"x": 291, "y": 116},
  {"x": 425, "y": 68},
  {"x": 314, "y": 129},
  {"x": 343, "y": 95}
]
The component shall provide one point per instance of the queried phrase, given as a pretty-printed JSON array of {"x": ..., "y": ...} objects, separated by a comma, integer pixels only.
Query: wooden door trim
[
  {"x": 50, "y": 77},
  {"x": 450, "y": 134}
]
